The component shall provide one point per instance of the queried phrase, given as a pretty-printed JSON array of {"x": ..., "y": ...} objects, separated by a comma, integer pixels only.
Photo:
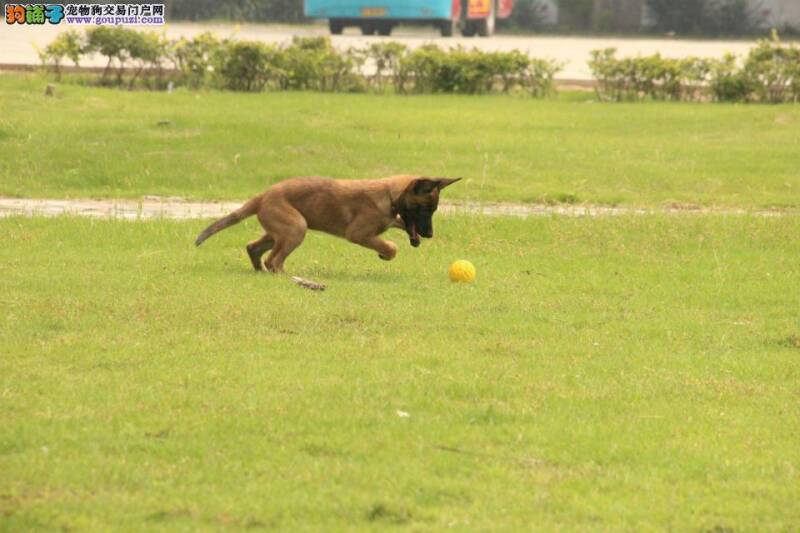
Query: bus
[{"x": 472, "y": 17}]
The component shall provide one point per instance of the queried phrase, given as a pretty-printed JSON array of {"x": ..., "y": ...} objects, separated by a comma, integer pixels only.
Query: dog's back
[{"x": 331, "y": 205}]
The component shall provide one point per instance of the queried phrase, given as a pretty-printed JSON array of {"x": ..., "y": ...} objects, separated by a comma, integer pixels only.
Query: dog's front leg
[{"x": 387, "y": 250}]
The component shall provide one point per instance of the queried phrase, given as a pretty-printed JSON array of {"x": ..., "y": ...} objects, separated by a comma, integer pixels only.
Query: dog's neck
[
  {"x": 394, "y": 209},
  {"x": 397, "y": 185},
  {"x": 387, "y": 192}
]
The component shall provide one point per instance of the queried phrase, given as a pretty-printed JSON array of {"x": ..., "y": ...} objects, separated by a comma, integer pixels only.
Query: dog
[{"x": 357, "y": 210}]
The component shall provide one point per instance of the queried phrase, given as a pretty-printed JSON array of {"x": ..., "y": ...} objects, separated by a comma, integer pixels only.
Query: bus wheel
[
  {"x": 447, "y": 27},
  {"x": 335, "y": 26},
  {"x": 385, "y": 29},
  {"x": 469, "y": 28}
]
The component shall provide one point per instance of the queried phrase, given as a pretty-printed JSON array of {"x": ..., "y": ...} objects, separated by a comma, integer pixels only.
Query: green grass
[
  {"x": 633, "y": 373},
  {"x": 216, "y": 145}
]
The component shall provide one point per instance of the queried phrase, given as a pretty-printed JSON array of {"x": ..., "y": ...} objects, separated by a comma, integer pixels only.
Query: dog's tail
[{"x": 249, "y": 209}]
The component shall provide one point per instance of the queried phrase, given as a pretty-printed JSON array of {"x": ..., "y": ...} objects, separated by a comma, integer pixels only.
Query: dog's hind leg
[
  {"x": 288, "y": 227},
  {"x": 285, "y": 244},
  {"x": 257, "y": 248},
  {"x": 278, "y": 255}
]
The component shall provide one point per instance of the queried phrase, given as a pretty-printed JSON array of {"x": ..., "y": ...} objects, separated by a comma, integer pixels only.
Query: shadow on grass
[
  {"x": 321, "y": 275},
  {"x": 333, "y": 274}
]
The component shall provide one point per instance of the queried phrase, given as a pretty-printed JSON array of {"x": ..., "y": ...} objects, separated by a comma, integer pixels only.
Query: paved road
[
  {"x": 17, "y": 43},
  {"x": 176, "y": 208}
]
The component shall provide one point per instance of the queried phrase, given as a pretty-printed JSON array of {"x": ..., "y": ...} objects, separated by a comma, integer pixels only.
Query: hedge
[
  {"x": 307, "y": 63},
  {"x": 770, "y": 74}
]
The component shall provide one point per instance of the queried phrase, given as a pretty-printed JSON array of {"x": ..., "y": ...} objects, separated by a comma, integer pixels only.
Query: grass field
[
  {"x": 100, "y": 142},
  {"x": 635, "y": 373},
  {"x": 618, "y": 373}
]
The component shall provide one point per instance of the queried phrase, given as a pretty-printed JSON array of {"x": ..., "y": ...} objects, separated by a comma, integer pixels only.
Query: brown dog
[{"x": 358, "y": 210}]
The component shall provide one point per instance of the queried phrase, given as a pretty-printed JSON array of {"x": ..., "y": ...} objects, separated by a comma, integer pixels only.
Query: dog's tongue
[{"x": 414, "y": 235}]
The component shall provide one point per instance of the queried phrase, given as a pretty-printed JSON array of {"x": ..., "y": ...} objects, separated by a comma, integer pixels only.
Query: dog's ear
[
  {"x": 427, "y": 185},
  {"x": 423, "y": 185},
  {"x": 444, "y": 182}
]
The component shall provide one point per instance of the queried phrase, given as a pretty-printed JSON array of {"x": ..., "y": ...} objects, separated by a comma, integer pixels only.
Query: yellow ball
[{"x": 462, "y": 270}]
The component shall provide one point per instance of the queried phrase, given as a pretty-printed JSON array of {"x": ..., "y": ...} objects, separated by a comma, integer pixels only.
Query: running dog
[{"x": 358, "y": 210}]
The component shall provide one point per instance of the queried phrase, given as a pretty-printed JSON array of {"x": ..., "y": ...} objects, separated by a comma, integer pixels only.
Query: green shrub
[
  {"x": 147, "y": 50},
  {"x": 433, "y": 70},
  {"x": 113, "y": 42},
  {"x": 420, "y": 69},
  {"x": 539, "y": 77},
  {"x": 773, "y": 71},
  {"x": 246, "y": 65},
  {"x": 430, "y": 69},
  {"x": 312, "y": 63},
  {"x": 195, "y": 57},
  {"x": 306, "y": 64},
  {"x": 728, "y": 82},
  {"x": 69, "y": 44},
  {"x": 510, "y": 68},
  {"x": 144, "y": 52},
  {"x": 462, "y": 71},
  {"x": 652, "y": 77},
  {"x": 385, "y": 58}
]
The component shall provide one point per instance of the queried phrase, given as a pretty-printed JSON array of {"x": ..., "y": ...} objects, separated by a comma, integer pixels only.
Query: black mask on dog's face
[{"x": 418, "y": 204}]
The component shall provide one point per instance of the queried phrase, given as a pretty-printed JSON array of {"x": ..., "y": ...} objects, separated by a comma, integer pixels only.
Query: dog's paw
[{"x": 389, "y": 252}]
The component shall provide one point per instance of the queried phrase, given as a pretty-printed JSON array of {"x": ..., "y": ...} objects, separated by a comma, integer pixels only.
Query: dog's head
[{"x": 418, "y": 203}]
